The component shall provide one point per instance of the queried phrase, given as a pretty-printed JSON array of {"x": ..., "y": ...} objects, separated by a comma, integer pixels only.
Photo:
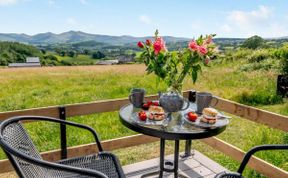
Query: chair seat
[
  {"x": 228, "y": 175},
  {"x": 106, "y": 163}
]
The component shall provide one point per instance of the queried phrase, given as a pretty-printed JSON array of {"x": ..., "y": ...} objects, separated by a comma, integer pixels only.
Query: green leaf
[{"x": 194, "y": 76}]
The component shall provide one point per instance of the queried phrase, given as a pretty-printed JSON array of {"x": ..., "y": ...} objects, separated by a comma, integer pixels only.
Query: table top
[{"x": 174, "y": 127}]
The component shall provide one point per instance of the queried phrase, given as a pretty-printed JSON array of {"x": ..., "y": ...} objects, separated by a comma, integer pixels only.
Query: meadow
[
  {"x": 78, "y": 60},
  {"x": 47, "y": 86}
]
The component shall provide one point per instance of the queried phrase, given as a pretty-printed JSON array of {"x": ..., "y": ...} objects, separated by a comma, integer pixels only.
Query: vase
[{"x": 173, "y": 101}]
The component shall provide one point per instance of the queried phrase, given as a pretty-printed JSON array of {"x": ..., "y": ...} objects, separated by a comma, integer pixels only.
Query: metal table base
[{"x": 167, "y": 165}]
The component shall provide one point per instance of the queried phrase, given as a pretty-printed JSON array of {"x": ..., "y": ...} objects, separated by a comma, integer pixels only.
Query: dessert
[
  {"x": 156, "y": 113},
  {"x": 209, "y": 115},
  {"x": 147, "y": 105}
]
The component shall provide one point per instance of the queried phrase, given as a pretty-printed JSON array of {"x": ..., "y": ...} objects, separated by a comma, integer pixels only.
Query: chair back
[{"x": 15, "y": 136}]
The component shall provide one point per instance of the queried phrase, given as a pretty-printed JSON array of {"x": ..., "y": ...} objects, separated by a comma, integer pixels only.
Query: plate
[
  {"x": 136, "y": 119},
  {"x": 198, "y": 123},
  {"x": 220, "y": 115}
]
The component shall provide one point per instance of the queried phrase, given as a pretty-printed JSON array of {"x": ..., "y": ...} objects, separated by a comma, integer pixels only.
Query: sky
[{"x": 181, "y": 18}]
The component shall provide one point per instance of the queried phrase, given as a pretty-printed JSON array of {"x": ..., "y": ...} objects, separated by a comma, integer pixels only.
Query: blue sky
[{"x": 182, "y": 18}]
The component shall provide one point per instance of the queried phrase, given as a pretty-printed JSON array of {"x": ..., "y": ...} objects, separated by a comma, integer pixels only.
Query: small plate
[
  {"x": 220, "y": 115},
  {"x": 198, "y": 123},
  {"x": 148, "y": 121}
]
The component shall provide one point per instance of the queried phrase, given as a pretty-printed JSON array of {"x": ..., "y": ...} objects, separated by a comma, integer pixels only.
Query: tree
[
  {"x": 50, "y": 57},
  {"x": 86, "y": 51},
  {"x": 72, "y": 53},
  {"x": 98, "y": 55},
  {"x": 60, "y": 52},
  {"x": 253, "y": 42}
]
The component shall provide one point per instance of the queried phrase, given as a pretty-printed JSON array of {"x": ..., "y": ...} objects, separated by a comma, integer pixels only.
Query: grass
[
  {"x": 78, "y": 60},
  {"x": 37, "y": 87}
]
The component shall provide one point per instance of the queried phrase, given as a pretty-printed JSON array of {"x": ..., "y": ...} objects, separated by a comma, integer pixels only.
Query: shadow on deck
[{"x": 196, "y": 167}]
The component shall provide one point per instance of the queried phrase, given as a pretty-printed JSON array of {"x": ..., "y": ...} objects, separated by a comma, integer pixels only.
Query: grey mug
[
  {"x": 136, "y": 97},
  {"x": 203, "y": 100}
]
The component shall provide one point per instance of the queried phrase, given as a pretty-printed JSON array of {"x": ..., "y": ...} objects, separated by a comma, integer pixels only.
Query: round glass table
[{"x": 174, "y": 127}]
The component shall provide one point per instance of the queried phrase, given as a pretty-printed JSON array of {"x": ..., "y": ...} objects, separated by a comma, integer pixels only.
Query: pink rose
[
  {"x": 193, "y": 45},
  {"x": 202, "y": 50},
  {"x": 140, "y": 44},
  {"x": 207, "y": 60},
  {"x": 208, "y": 40},
  {"x": 159, "y": 45}
]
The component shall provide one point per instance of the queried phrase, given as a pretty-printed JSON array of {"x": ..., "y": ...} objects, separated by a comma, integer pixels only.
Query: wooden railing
[{"x": 257, "y": 115}]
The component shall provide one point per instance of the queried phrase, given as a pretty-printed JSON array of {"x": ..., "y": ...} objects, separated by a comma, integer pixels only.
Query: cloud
[
  {"x": 145, "y": 19},
  {"x": 251, "y": 18},
  {"x": 7, "y": 2},
  {"x": 84, "y": 2},
  {"x": 51, "y": 3},
  {"x": 277, "y": 30},
  {"x": 260, "y": 21},
  {"x": 226, "y": 28},
  {"x": 71, "y": 21}
]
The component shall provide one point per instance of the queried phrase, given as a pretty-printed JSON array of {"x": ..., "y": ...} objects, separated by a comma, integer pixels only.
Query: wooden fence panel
[
  {"x": 270, "y": 119},
  {"x": 259, "y": 165}
]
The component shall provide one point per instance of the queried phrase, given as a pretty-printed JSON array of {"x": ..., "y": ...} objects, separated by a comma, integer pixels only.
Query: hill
[{"x": 16, "y": 52}]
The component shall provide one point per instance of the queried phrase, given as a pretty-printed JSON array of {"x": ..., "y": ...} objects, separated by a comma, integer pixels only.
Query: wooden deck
[{"x": 194, "y": 167}]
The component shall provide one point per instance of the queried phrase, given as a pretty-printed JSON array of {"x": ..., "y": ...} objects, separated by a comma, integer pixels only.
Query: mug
[
  {"x": 192, "y": 96},
  {"x": 137, "y": 97},
  {"x": 203, "y": 100}
]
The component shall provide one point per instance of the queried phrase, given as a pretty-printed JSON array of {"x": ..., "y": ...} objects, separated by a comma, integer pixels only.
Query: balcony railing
[{"x": 257, "y": 115}]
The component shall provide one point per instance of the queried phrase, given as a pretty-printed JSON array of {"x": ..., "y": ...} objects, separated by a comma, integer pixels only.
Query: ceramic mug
[
  {"x": 203, "y": 100},
  {"x": 136, "y": 97}
]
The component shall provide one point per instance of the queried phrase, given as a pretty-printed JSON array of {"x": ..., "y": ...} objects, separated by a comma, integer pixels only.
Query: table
[{"x": 173, "y": 128}]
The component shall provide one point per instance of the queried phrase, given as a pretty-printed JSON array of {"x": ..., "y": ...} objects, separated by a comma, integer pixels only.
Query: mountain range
[{"x": 77, "y": 36}]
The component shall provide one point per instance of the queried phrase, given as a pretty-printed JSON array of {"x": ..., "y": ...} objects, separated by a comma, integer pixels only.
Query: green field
[
  {"x": 28, "y": 88},
  {"x": 78, "y": 60}
]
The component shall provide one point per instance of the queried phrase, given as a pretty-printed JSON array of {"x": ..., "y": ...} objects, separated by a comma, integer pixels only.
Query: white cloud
[
  {"x": 145, "y": 19},
  {"x": 51, "y": 3},
  {"x": 277, "y": 30},
  {"x": 7, "y": 2},
  {"x": 71, "y": 21},
  {"x": 250, "y": 18},
  {"x": 259, "y": 21},
  {"x": 226, "y": 28},
  {"x": 84, "y": 2}
]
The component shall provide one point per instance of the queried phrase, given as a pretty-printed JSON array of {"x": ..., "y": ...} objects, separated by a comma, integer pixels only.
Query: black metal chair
[
  {"x": 27, "y": 161},
  {"x": 246, "y": 158}
]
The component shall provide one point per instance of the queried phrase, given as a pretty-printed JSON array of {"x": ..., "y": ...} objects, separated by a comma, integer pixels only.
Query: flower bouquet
[{"x": 172, "y": 67}]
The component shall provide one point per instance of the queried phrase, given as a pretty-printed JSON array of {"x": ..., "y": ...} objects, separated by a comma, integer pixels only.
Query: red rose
[
  {"x": 193, "y": 45},
  {"x": 202, "y": 50},
  {"x": 159, "y": 45},
  {"x": 140, "y": 44},
  {"x": 148, "y": 42}
]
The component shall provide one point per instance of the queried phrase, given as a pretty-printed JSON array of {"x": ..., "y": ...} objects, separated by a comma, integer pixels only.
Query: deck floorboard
[{"x": 197, "y": 166}]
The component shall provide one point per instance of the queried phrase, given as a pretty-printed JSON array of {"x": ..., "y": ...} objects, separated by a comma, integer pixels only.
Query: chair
[
  {"x": 246, "y": 158},
  {"x": 27, "y": 161}
]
